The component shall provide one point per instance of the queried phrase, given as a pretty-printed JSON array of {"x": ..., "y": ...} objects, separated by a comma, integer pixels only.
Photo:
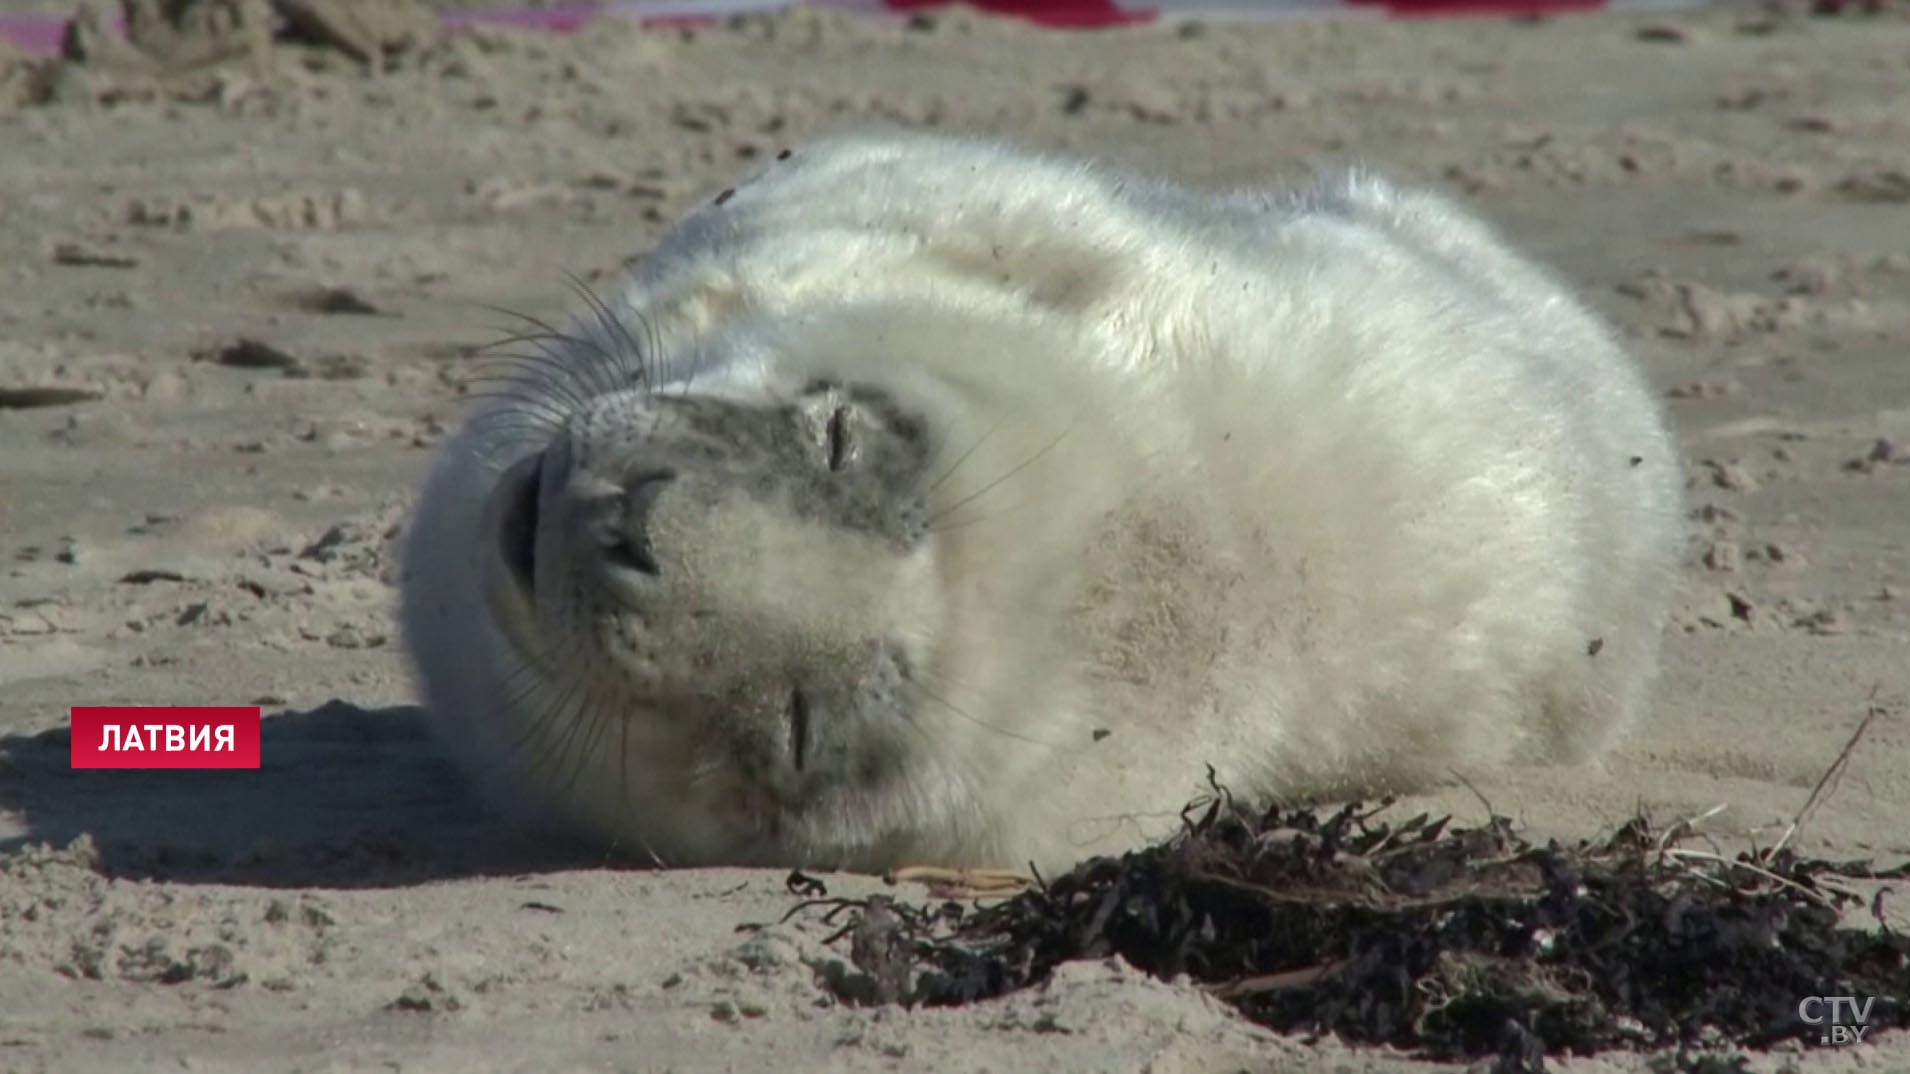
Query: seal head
[
  {"x": 782, "y": 612},
  {"x": 743, "y": 579}
]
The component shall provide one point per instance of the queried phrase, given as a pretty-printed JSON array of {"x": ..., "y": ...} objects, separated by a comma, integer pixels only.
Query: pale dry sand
[{"x": 1733, "y": 189}]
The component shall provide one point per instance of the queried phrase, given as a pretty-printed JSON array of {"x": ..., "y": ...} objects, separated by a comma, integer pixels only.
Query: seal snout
[
  {"x": 539, "y": 490},
  {"x": 628, "y": 545}
]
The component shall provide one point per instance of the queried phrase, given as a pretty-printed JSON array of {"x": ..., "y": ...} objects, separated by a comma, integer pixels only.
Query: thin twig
[
  {"x": 1705, "y": 855},
  {"x": 1476, "y": 793},
  {"x": 1836, "y": 768},
  {"x": 1686, "y": 826},
  {"x": 1274, "y": 982}
]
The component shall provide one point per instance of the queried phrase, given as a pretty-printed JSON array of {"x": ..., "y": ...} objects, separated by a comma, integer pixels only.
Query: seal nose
[{"x": 630, "y": 547}]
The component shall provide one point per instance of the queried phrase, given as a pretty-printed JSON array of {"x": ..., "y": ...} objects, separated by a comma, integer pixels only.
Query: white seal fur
[{"x": 924, "y": 499}]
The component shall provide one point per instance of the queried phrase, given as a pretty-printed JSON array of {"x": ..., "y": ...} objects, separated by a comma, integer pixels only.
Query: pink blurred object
[{"x": 41, "y": 34}]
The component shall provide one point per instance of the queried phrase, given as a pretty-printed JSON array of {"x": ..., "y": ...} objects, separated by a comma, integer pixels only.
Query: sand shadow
[{"x": 345, "y": 797}]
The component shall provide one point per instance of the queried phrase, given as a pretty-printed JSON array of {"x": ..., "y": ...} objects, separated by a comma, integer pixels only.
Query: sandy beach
[{"x": 240, "y": 293}]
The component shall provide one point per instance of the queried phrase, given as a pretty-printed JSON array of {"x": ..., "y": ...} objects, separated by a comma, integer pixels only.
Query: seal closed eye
[
  {"x": 929, "y": 500},
  {"x": 841, "y": 449}
]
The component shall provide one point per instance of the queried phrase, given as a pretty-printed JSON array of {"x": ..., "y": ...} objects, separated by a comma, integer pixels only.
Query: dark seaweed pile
[{"x": 1450, "y": 942}]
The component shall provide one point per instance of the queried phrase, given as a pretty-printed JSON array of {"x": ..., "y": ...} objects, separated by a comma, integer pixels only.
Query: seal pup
[{"x": 927, "y": 499}]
